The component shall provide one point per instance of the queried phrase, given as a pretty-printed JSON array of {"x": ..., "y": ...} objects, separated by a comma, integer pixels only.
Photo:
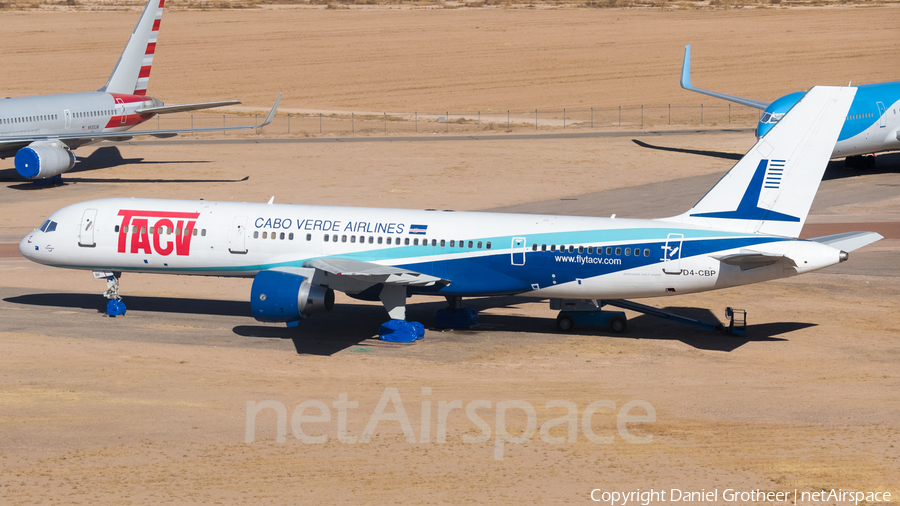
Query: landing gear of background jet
[
  {"x": 455, "y": 316},
  {"x": 860, "y": 162},
  {"x": 115, "y": 306},
  {"x": 50, "y": 181}
]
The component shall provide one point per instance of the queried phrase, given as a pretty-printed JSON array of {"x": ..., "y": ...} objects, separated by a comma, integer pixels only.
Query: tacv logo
[
  {"x": 749, "y": 208},
  {"x": 137, "y": 223}
]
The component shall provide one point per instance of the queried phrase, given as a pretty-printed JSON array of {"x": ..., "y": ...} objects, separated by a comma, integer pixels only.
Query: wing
[
  {"x": 9, "y": 146},
  {"x": 373, "y": 273},
  {"x": 686, "y": 84},
  {"x": 168, "y": 109}
]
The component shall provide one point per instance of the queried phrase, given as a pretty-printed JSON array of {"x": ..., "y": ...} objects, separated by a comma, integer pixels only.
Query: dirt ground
[{"x": 152, "y": 407}]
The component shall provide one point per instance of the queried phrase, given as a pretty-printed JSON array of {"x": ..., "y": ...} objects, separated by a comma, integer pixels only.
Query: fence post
[
  {"x": 620, "y": 115},
  {"x": 223, "y": 121},
  {"x": 320, "y": 122},
  {"x": 701, "y": 114},
  {"x": 417, "y": 121},
  {"x": 592, "y": 117},
  {"x": 670, "y": 114},
  {"x": 352, "y": 124},
  {"x": 507, "y": 119},
  {"x": 564, "y": 118},
  {"x": 289, "y": 123},
  {"x": 535, "y": 119},
  {"x": 157, "y": 121},
  {"x": 729, "y": 113},
  {"x": 192, "y": 121},
  {"x": 479, "y": 121},
  {"x": 642, "y": 115},
  {"x": 448, "y": 121},
  {"x": 385, "y": 122}
]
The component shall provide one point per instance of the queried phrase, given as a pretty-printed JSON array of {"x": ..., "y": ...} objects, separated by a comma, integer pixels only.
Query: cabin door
[
  {"x": 882, "y": 121},
  {"x": 86, "y": 230},
  {"x": 672, "y": 254},
  {"x": 518, "y": 251},
  {"x": 237, "y": 236}
]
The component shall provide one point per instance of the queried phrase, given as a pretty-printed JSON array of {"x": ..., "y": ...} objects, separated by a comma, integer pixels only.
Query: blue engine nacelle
[
  {"x": 284, "y": 297},
  {"x": 776, "y": 111},
  {"x": 43, "y": 159}
]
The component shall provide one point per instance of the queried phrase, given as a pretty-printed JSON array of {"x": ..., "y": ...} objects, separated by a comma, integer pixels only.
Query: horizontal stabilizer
[
  {"x": 168, "y": 109},
  {"x": 849, "y": 241},
  {"x": 372, "y": 272},
  {"x": 686, "y": 84}
]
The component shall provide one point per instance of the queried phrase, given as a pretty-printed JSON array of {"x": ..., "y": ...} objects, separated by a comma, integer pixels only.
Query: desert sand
[{"x": 152, "y": 407}]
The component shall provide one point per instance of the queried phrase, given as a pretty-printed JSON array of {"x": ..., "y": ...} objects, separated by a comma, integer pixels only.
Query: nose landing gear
[{"x": 115, "y": 306}]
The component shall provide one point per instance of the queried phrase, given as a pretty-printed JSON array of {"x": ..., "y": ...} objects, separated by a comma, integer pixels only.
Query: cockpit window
[
  {"x": 771, "y": 117},
  {"x": 48, "y": 226},
  {"x": 765, "y": 118}
]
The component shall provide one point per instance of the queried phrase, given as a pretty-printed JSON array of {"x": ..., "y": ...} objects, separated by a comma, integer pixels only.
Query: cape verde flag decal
[{"x": 418, "y": 229}]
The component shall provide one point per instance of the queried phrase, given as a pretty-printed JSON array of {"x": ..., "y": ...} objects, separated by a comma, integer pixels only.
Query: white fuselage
[{"x": 479, "y": 253}]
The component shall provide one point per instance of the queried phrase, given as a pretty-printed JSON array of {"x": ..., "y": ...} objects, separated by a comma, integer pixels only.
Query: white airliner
[
  {"x": 872, "y": 125},
  {"x": 42, "y": 131},
  {"x": 744, "y": 230}
]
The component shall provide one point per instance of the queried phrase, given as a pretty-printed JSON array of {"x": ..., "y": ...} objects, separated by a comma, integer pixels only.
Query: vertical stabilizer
[
  {"x": 770, "y": 190},
  {"x": 132, "y": 72}
]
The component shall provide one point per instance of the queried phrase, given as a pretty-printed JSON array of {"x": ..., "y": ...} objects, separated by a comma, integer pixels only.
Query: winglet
[
  {"x": 686, "y": 69},
  {"x": 271, "y": 115}
]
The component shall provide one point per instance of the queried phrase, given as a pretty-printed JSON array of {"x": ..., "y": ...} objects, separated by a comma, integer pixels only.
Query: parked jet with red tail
[{"x": 42, "y": 131}]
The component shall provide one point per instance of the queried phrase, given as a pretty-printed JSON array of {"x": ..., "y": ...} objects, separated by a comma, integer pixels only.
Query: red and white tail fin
[{"x": 132, "y": 72}]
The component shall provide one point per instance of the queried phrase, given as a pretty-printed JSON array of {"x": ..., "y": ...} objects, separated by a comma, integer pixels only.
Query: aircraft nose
[{"x": 27, "y": 245}]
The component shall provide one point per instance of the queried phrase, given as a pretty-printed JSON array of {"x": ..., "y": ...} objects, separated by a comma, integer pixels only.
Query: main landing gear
[
  {"x": 115, "y": 306},
  {"x": 455, "y": 316},
  {"x": 860, "y": 162}
]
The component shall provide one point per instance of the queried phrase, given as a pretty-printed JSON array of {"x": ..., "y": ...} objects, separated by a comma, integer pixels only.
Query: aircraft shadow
[
  {"x": 886, "y": 163},
  {"x": 350, "y": 325},
  {"x": 716, "y": 154},
  {"x": 135, "y": 303}
]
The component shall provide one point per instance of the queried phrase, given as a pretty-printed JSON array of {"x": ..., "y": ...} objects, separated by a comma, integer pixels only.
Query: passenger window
[
  {"x": 590, "y": 250},
  {"x": 627, "y": 251},
  {"x": 326, "y": 237},
  {"x": 343, "y": 238},
  {"x": 177, "y": 231},
  {"x": 117, "y": 228},
  {"x": 646, "y": 252},
  {"x": 479, "y": 245},
  {"x": 352, "y": 238},
  {"x": 452, "y": 243},
  {"x": 265, "y": 235},
  {"x": 406, "y": 242},
  {"x": 274, "y": 236},
  {"x": 143, "y": 230},
  {"x": 618, "y": 251},
  {"x": 462, "y": 244},
  {"x": 203, "y": 233},
  {"x": 379, "y": 240},
  {"x": 543, "y": 247},
  {"x": 434, "y": 242},
  {"x": 552, "y": 247},
  {"x": 443, "y": 243},
  {"x": 195, "y": 232},
  {"x": 281, "y": 236},
  {"x": 372, "y": 239},
  {"x": 581, "y": 249},
  {"x": 534, "y": 247},
  {"x": 256, "y": 234},
  {"x": 609, "y": 250},
  {"x": 415, "y": 242},
  {"x": 488, "y": 245},
  {"x": 470, "y": 244}
]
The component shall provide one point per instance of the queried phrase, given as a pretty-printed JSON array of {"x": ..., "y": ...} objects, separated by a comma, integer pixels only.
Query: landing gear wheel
[
  {"x": 618, "y": 325},
  {"x": 564, "y": 323}
]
